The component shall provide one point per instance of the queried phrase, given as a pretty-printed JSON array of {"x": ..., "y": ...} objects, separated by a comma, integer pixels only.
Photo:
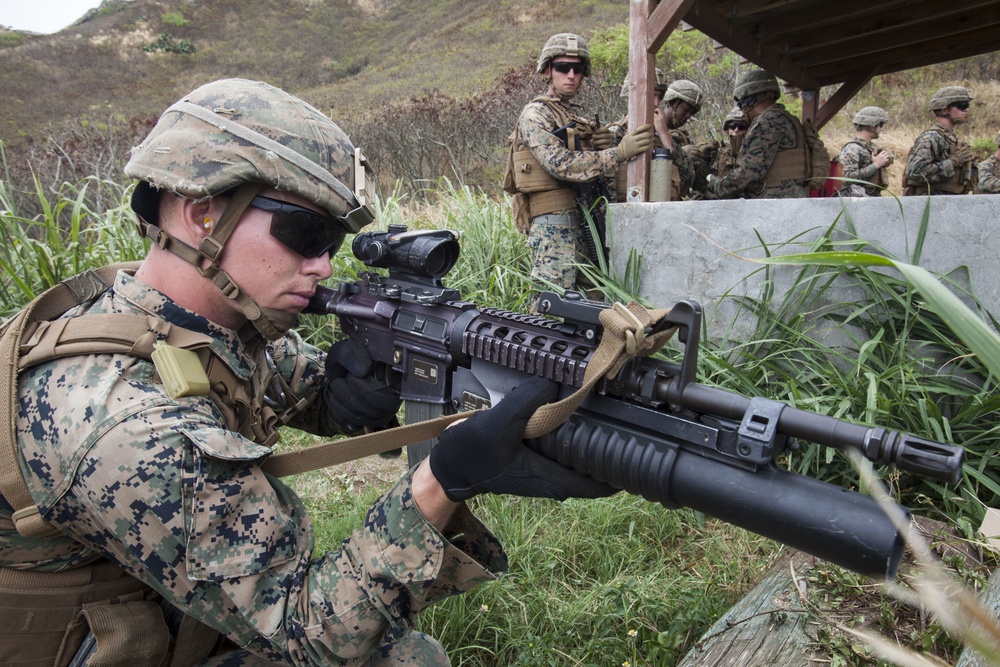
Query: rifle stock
[{"x": 652, "y": 430}]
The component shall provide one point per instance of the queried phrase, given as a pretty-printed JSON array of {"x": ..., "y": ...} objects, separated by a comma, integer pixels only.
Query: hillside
[{"x": 344, "y": 56}]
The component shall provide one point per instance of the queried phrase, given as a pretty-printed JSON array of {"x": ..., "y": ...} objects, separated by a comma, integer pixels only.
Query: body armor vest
[
  {"x": 101, "y": 598},
  {"x": 959, "y": 183},
  {"x": 546, "y": 194}
]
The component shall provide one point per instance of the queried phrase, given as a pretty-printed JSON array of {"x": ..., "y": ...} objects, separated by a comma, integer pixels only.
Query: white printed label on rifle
[{"x": 424, "y": 371}]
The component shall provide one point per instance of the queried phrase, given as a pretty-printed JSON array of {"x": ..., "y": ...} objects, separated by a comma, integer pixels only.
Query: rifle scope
[{"x": 427, "y": 254}]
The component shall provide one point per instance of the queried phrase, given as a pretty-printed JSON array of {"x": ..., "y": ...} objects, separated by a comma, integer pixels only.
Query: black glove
[
  {"x": 486, "y": 454},
  {"x": 357, "y": 392}
]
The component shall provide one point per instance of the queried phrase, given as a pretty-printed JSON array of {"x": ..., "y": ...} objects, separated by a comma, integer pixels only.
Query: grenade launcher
[{"x": 652, "y": 430}]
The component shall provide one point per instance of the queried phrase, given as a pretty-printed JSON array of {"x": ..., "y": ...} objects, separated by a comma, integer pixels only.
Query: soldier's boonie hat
[
  {"x": 870, "y": 116},
  {"x": 756, "y": 81},
  {"x": 950, "y": 95},
  {"x": 660, "y": 86},
  {"x": 235, "y": 131},
  {"x": 686, "y": 91},
  {"x": 565, "y": 44}
]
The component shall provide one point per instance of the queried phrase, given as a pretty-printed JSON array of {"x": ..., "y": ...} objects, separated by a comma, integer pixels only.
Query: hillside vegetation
[{"x": 428, "y": 89}]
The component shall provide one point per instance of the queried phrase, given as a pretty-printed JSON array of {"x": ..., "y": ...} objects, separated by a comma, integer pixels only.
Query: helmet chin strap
[{"x": 272, "y": 324}]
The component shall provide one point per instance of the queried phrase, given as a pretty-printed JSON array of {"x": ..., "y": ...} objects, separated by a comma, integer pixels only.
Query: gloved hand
[
  {"x": 962, "y": 157},
  {"x": 635, "y": 142},
  {"x": 602, "y": 139},
  {"x": 486, "y": 454},
  {"x": 357, "y": 392}
]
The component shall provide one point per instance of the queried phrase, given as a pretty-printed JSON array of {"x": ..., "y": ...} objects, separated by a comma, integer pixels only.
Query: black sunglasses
[
  {"x": 303, "y": 230},
  {"x": 736, "y": 126},
  {"x": 565, "y": 68},
  {"x": 963, "y": 106}
]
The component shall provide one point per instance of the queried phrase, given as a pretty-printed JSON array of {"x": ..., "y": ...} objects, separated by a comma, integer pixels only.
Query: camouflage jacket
[
  {"x": 534, "y": 131},
  {"x": 161, "y": 487},
  {"x": 856, "y": 162},
  {"x": 928, "y": 162},
  {"x": 989, "y": 175},
  {"x": 770, "y": 132}
]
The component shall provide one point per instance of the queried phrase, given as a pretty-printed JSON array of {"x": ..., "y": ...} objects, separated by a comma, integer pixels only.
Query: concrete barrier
[{"x": 700, "y": 249}]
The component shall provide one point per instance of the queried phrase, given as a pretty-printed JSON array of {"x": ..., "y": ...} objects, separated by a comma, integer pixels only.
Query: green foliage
[
  {"x": 10, "y": 38},
  {"x": 166, "y": 43},
  {"x": 175, "y": 18},
  {"x": 609, "y": 51}
]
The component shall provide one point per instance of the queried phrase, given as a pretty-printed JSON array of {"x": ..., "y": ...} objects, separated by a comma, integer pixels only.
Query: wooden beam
[
  {"x": 831, "y": 44},
  {"x": 708, "y": 21},
  {"x": 641, "y": 66},
  {"x": 842, "y": 96},
  {"x": 662, "y": 21},
  {"x": 930, "y": 53}
]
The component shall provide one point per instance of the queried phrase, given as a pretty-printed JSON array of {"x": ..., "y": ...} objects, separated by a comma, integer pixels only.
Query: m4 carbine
[{"x": 651, "y": 430}]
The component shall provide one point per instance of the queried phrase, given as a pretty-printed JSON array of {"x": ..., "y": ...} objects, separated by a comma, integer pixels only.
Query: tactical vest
[
  {"x": 790, "y": 164},
  {"x": 102, "y": 598},
  {"x": 960, "y": 182},
  {"x": 881, "y": 177},
  {"x": 542, "y": 193}
]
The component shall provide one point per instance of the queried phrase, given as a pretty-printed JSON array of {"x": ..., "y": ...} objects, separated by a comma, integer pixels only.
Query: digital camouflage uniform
[
  {"x": 989, "y": 175},
  {"x": 928, "y": 163},
  {"x": 856, "y": 162},
  {"x": 162, "y": 487},
  {"x": 770, "y": 132},
  {"x": 556, "y": 241}
]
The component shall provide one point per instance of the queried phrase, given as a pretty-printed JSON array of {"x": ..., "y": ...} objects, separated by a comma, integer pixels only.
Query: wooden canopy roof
[{"x": 815, "y": 43}]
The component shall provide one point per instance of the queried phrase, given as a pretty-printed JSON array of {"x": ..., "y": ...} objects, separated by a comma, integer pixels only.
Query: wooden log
[{"x": 767, "y": 628}]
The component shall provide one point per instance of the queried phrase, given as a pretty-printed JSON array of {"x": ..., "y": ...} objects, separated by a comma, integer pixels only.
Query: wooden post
[{"x": 650, "y": 24}]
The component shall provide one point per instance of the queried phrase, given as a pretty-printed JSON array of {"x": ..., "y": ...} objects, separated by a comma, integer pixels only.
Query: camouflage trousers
[
  {"x": 557, "y": 247},
  {"x": 416, "y": 648}
]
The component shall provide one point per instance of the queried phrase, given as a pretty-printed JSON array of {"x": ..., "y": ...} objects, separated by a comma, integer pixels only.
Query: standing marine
[
  {"x": 681, "y": 101},
  {"x": 939, "y": 162},
  {"x": 773, "y": 161},
  {"x": 861, "y": 159},
  {"x": 553, "y": 160},
  {"x": 989, "y": 171}
]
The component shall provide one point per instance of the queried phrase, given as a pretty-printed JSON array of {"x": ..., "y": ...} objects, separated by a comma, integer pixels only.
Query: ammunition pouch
[{"x": 47, "y": 616}]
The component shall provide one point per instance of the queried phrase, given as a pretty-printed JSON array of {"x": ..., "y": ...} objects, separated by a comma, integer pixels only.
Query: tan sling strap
[
  {"x": 624, "y": 338},
  {"x": 53, "y": 302}
]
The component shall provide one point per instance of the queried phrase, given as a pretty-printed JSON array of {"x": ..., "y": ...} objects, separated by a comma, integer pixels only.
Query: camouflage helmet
[
  {"x": 871, "y": 117},
  {"x": 565, "y": 44},
  {"x": 686, "y": 91},
  {"x": 236, "y": 137},
  {"x": 950, "y": 95},
  {"x": 756, "y": 81},
  {"x": 735, "y": 115},
  {"x": 236, "y": 131},
  {"x": 660, "y": 86}
]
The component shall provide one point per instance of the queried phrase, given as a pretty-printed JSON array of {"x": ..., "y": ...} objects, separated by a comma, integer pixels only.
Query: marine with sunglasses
[
  {"x": 552, "y": 147},
  {"x": 861, "y": 159},
  {"x": 150, "y": 396},
  {"x": 939, "y": 162},
  {"x": 773, "y": 162}
]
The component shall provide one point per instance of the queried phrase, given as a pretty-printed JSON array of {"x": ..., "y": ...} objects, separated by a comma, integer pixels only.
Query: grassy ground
[{"x": 620, "y": 579}]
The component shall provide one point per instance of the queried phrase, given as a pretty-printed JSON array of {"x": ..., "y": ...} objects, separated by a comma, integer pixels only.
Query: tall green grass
[{"x": 586, "y": 573}]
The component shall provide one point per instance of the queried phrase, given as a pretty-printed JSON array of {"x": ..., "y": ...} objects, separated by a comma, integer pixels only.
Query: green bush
[
  {"x": 168, "y": 44},
  {"x": 174, "y": 18}
]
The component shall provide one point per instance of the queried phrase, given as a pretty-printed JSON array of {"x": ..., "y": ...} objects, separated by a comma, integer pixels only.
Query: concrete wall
[{"x": 700, "y": 249}]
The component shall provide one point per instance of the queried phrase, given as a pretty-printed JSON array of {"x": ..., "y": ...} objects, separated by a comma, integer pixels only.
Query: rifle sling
[{"x": 624, "y": 337}]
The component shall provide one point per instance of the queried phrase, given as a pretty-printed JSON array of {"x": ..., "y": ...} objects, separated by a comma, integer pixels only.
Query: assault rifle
[
  {"x": 591, "y": 198},
  {"x": 652, "y": 430}
]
